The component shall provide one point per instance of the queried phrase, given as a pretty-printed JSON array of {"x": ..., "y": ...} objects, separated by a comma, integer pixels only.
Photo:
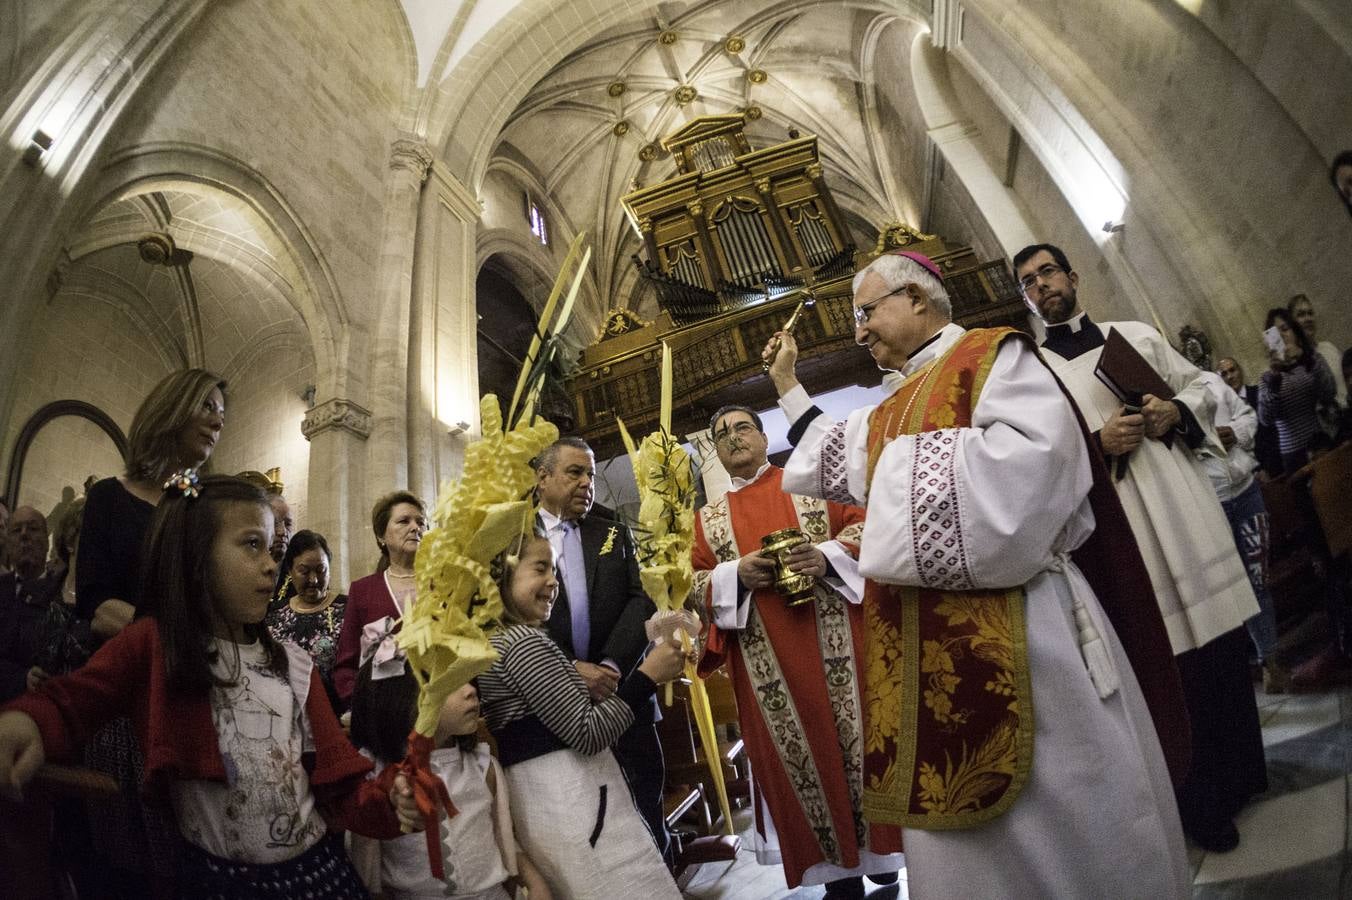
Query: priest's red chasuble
[{"x": 794, "y": 676}]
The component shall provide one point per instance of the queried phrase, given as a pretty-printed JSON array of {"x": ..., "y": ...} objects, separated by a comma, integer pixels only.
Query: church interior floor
[{"x": 1294, "y": 840}]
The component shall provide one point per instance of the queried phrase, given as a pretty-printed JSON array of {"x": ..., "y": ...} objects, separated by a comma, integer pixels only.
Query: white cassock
[
  {"x": 1185, "y": 539},
  {"x": 1097, "y": 817}
]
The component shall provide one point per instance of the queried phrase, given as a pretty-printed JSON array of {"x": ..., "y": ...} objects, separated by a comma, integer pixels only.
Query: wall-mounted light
[
  {"x": 459, "y": 428},
  {"x": 308, "y": 395},
  {"x": 39, "y": 144},
  {"x": 1112, "y": 227}
]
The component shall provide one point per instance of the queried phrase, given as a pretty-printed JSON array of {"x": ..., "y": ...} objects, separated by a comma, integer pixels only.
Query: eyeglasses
[
  {"x": 741, "y": 430},
  {"x": 1043, "y": 273},
  {"x": 862, "y": 311}
]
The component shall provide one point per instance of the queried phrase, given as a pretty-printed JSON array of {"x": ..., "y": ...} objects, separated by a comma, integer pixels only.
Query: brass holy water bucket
[{"x": 794, "y": 587}]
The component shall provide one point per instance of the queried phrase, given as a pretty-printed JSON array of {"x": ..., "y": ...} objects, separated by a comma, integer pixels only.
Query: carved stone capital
[
  {"x": 695, "y": 209},
  {"x": 813, "y": 171},
  {"x": 337, "y": 413},
  {"x": 407, "y": 154}
]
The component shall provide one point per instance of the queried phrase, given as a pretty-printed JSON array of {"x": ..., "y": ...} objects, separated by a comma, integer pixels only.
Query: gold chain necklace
[{"x": 326, "y": 608}]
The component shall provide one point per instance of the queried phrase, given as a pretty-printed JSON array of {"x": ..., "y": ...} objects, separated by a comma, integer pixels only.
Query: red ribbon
[{"x": 429, "y": 793}]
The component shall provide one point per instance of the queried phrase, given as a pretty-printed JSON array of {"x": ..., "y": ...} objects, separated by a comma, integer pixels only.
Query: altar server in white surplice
[
  {"x": 1198, "y": 577},
  {"x": 1006, "y": 729}
]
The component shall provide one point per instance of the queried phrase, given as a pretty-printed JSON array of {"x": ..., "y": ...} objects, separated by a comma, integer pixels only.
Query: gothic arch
[
  {"x": 534, "y": 269},
  {"x": 157, "y": 166},
  {"x": 54, "y": 410}
]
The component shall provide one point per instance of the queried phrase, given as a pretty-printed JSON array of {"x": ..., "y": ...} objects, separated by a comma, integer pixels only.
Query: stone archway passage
[{"x": 56, "y": 410}]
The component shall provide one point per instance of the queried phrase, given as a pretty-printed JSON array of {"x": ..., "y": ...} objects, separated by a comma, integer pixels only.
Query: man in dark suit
[
  {"x": 600, "y": 613},
  {"x": 24, "y": 596}
]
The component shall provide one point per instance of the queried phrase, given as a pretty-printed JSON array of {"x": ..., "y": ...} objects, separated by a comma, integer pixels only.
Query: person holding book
[
  {"x": 1022, "y": 711},
  {"x": 1199, "y": 580}
]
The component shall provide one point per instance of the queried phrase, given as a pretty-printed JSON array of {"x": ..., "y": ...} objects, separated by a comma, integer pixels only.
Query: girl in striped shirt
[{"x": 570, "y": 804}]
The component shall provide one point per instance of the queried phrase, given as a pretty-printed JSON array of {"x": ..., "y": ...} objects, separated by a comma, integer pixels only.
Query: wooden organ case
[{"x": 731, "y": 241}]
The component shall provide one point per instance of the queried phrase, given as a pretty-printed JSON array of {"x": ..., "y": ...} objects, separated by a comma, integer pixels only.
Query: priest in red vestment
[{"x": 794, "y": 668}]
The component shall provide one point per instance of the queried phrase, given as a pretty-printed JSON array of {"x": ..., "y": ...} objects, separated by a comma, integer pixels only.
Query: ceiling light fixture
[{"x": 40, "y": 143}]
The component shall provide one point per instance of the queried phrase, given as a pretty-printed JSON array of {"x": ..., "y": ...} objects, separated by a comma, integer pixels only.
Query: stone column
[
  {"x": 443, "y": 389},
  {"x": 388, "y": 449},
  {"x": 959, "y": 144},
  {"x": 337, "y": 505}
]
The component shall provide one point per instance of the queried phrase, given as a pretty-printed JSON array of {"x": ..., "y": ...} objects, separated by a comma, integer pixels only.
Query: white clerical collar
[
  {"x": 739, "y": 483},
  {"x": 1074, "y": 323},
  {"x": 943, "y": 339}
]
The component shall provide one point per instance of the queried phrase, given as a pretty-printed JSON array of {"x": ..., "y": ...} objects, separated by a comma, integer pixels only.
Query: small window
[{"x": 536, "y": 216}]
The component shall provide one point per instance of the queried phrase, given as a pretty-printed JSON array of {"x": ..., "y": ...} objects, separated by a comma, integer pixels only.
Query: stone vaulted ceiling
[{"x": 591, "y": 129}]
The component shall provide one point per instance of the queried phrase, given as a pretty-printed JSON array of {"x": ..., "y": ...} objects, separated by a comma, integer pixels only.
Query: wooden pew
[
  {"x": 26, "y": 831},
  {"x": 1330, "y": 481},
  {"x": 689, "y": 793}
]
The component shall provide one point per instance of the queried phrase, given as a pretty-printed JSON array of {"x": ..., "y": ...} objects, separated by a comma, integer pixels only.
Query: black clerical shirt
[
  {"x": 1078, "y": 335},
  {"x": 1074, "y": 337}
]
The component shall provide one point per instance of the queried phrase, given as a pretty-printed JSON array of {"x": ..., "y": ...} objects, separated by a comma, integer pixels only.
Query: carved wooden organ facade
[
  {"x": 735, "y": 226},
  {"x": 732, "y": 242}
]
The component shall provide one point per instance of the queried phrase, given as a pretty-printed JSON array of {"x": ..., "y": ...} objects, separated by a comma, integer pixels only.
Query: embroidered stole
[
  {"x": 947, "y": 699},
  {"x": 776, "y": 706}
]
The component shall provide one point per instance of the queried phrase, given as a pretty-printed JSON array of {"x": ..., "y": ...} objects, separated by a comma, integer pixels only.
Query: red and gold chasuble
[
  {"x": 948, "y": 712},
  {"x": 793, "y": 671}
]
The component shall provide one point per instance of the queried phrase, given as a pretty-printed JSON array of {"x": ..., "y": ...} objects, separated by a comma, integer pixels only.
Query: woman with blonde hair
[{"x": 176, "y": 427}]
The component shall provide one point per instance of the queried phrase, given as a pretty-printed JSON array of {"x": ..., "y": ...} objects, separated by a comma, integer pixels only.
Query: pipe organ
[
  {"x": 734, "y": 223},
  {"x": 730, "y": 242}
]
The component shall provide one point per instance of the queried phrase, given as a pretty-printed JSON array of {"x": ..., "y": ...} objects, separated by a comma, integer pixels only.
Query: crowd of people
[{"x": 1027, "y": 661}]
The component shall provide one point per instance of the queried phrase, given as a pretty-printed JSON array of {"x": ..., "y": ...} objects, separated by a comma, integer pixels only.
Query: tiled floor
[{"x": 1294, "y": 840}]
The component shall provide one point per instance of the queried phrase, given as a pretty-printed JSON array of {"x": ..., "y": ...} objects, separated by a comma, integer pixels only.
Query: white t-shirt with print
[{"x": 265, "y": 812}]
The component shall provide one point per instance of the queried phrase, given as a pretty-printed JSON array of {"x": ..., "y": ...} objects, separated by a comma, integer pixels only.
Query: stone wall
[
  {"x": 63, "y": 454},
  {"x": 264, "y": 412},
  {"x": 88, "y": 349},
  {"x": 307, "y": 94},
  {"x": 1224, "y": 194}
]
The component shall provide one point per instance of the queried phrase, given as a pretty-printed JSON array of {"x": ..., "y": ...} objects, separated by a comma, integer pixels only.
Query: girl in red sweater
[{"x": 237, "y": 733}]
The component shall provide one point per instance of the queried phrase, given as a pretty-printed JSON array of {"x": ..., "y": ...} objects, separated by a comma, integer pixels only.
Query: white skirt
[{"x": 576, "y": 821}]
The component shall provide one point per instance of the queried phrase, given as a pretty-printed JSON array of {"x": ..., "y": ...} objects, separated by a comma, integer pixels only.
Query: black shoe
[
  {"x": 845, "y": 889},
  {"x": 884, "y": 879},
  {"x": 1220, "y": 839}
]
